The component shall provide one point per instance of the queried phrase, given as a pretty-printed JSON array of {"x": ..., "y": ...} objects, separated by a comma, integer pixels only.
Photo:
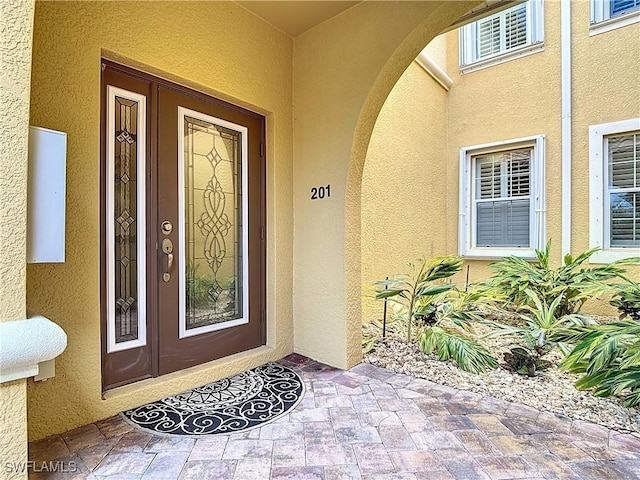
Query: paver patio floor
[{"x": 364, "y": 423}]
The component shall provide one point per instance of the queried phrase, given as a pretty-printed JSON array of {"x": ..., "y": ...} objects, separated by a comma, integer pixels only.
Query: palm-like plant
[
  {"x": 441, "y": 311},
  {"x": 608, "y": 356},
  {"x": 542, "y": 322},
  {"x": 570, "y": 282},
  {"x": 416, "y": 291}
]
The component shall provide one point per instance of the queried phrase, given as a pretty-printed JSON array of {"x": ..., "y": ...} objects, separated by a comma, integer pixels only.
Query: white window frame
[
  {"x": 598, "y": 226},
  {"x": 537, "y": 223},
  {"x": 535, "y": 41},
  {"x": 601, "y": 20}
]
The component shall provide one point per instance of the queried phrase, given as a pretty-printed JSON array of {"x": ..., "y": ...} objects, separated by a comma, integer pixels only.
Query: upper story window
[
  {"x": 608, "y": 15},
  {"x": 503, "y": 36},
  {"x": 614, "y": 190},
  {"x": 502, "y": 199}
]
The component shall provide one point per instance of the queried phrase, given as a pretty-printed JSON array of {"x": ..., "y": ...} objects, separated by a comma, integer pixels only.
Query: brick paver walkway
[{"x": 365, "y": 423}]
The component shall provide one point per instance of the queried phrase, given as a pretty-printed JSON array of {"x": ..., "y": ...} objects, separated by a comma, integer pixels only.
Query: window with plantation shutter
[
  {"x": 502, "y": 198},
  {"x": 623, "y": 185},
  {"x": 614, "y": 190},
  {"x": 607, "y": 15},
  {"x": 505, "y": 35}
]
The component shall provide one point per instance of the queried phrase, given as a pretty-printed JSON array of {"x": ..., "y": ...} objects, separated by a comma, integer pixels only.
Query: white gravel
[{"x": 551, "y": 390}]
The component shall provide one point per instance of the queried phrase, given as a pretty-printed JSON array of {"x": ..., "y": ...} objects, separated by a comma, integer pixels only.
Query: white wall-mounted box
[{"x": 46, "y": 195}]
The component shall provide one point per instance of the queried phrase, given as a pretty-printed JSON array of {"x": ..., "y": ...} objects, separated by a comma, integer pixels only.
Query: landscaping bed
[
  {"x": 520, "y": 336},
  {"x": 550, "y": 390}
]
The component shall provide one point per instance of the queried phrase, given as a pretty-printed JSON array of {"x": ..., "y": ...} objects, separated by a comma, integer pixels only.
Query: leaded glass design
[
  {"x": 126, "y": 267},
  {"x": 212, "y": 223},
  {"x": 125, "y": 224}
]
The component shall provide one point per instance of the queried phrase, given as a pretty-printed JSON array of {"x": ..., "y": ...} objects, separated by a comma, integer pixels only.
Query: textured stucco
[
  {"x": 606, "y": 82},
  {"x": 403, "y": 195},
  {"x": 520, "y": 98},
  {"x": 343, "y": 71},
  {"x": 16, "y": 28},
  {"x": 16, "y": 20},
  {"x": 515, "y": 99},
  {"x": 217, "y": 47}
]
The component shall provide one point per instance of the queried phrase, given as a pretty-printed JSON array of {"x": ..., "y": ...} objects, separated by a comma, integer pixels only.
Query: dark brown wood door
[
  {"x": 209, "y": 184},
  {"x": 183, "y": 251}
]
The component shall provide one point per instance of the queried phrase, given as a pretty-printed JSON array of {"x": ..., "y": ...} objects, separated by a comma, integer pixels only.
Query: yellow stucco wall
[
  {"x": 404, "y": 208},
  {"x": 515, "y": 99},
  {"x": 606, "y": 83},
  {"x": 519, "y": 98},
  {"x": 16, "y": 28},
  {"x": 343, "y": 71},
  {"x": 217, "y": 47}
]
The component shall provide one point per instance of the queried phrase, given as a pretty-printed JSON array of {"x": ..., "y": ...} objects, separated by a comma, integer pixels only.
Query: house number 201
[{"x": 318, "y": 193}]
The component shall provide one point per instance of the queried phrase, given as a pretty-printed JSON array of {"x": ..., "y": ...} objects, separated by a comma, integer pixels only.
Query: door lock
[
  {"x": 167, "y": 249},
  {"x": 166, "y": 227}
]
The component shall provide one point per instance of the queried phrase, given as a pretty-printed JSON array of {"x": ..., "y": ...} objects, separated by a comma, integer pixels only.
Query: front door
[{"x": 183, "y": 235}]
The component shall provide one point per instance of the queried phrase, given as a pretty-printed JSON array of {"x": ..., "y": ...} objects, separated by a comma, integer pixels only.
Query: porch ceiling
[{"x": 296, "y": 17}]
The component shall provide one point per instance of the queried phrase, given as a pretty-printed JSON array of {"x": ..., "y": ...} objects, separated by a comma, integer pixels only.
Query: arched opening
[{"x": 404, "y": 55}]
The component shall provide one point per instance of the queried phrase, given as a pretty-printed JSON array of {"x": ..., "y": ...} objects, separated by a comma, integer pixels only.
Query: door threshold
[{"x": 192, "y": 377}]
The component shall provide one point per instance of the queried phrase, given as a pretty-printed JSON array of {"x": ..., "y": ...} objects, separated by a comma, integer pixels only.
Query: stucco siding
[
  {"x": 217, "y": 47},
  {"x": 515, "y": 99},
  {"x": 16, "y": 29}
]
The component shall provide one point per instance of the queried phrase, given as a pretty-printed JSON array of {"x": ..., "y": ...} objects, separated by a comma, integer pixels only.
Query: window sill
[
  {"x": 608, "y": 256},
  {"x": 614, "y": 23},
  {"x": 499, "y": 253},
  {"x": 502, "y": 58}
]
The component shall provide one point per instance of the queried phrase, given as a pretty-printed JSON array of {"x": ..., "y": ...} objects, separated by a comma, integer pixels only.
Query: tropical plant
[
  {"x": 416, "y": 291},
  {"x": 441, "y": 312},
  {"x": 627, "y": 300},
  {"x": 608, "y": 356},
  {"x": 541, "y": 322},
  {"x": 570, "y": 282},
  {"x": 525, "y": 362},
  {"x": 452, "y": 344}
]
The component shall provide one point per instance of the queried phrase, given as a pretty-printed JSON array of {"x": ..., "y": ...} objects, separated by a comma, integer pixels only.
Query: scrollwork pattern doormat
[{"x": 235, "y": 404}]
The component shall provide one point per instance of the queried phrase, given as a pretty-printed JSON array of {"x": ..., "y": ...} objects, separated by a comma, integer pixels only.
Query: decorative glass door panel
[
  {"x": 126, "y": 276},
  {"x": 213, "y": 157}
]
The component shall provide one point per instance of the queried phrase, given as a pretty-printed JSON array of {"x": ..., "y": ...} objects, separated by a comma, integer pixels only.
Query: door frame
[{"x": 152, "y": 227}]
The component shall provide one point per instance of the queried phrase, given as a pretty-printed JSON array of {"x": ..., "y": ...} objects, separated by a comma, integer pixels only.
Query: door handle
[{"x": 167, "y": 248}]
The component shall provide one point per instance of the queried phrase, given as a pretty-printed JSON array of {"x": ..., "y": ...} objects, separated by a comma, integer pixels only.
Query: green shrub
[
  {"x": 440, "y": 311},
  {"x": 571, "y": 282},
  {"x": 627, "y": 300},
  {"x": 541, "y": 322},
  {"x": 608, "y": 356}
]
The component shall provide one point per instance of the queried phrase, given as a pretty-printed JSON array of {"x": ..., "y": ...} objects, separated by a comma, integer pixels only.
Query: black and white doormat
[{"x": 235, "y": 404}]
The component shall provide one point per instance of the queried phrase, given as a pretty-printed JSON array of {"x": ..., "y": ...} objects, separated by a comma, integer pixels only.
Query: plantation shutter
[
  {"x": 488, "y": 36},
  {"x": 624, "y": 190},
  {"x": 503, "y": 205},
  {"x": 502, "y": 32},
  {"x": 621, "y": 6},
  {"x": 516, "y": 27}
]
